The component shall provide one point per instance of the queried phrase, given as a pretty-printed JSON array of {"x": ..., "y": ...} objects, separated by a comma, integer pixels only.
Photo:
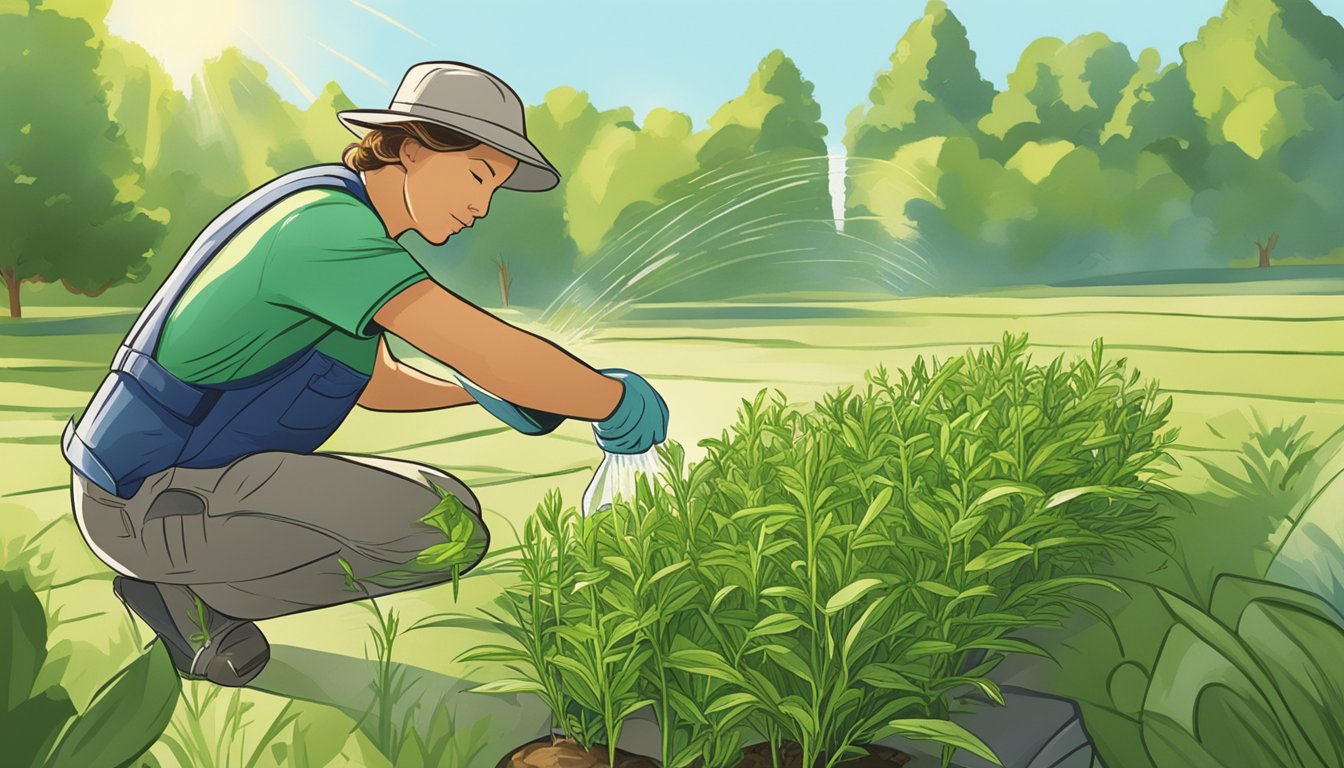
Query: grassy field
[{"x": 1218, "y": 356}]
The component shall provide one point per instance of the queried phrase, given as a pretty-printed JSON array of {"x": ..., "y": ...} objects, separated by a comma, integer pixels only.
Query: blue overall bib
[{"x": 143, "y": 419}]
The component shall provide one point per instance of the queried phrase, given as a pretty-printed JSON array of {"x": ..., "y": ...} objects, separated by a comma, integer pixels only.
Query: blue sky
[{"x": 690, "y": 55}]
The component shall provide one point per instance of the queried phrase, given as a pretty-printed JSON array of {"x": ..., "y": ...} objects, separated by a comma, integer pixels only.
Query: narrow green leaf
[
  {"x": 937, "y": 589},
  {"x": 874, "y": 509},
  {"x": 721, "y": 594},
  {"x": 850, "y": 593},
  {"x": 775, "y": 624},
  {"x": 807, "y": 722},
  {"x": 585, "y": 676},
  {"x": 1007, "y": 489},
  {"x": 982, "y": 590},
  {"x": 728, "y": 701},
  {"x": 765, "y": 510},
  {"x": 793, "y": 664},
  {"x": 1007, "y": 644},
  {"x": 621, "y": 564},
  {"x": 702, "y": 661},
  {"x": 690, "y": 752},
  {"x": 888, "y": 677},
  {"x": 998, "y": 556},
  {"x": 633, "y": 707},
  {"x": 853, "y": 633},
  {"x": 965, "y": 527},
  {"x": 1056, "y": 585},
  {"x": 491, "y": 653},
  {"x": 508, "y": 686},
  {"x": 792, "y": 593},
  {"x": 929, "y": 648},
  {"x": 685, "y": 707},
  {"x": 927, "y": 516},
  {"x": 669, "y": 570},
  {"x": 943, "y": 732}
]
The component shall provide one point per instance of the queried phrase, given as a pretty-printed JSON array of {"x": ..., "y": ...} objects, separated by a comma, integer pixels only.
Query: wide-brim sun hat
[{"x": 468, "y": 100}]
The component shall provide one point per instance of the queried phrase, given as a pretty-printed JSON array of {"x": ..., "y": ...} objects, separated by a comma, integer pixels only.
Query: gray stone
[{"x": 1031, "y": 729}]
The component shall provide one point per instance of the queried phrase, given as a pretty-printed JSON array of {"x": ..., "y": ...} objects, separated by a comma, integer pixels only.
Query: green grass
[{"x": 1216, "y": 355}]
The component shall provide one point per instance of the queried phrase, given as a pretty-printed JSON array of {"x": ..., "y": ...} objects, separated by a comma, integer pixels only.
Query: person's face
[{"x": 447, "y": 191}]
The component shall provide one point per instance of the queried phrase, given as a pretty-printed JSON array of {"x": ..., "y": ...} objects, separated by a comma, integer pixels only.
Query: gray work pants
[{"x": 266, "y": 535}]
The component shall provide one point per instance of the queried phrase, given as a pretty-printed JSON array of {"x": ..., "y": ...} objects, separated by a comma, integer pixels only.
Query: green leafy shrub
[
  {"x": 833, "y": 574},
  {"x": 39, "y": 725}
]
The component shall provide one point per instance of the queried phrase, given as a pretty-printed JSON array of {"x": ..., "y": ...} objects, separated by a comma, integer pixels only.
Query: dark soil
[{"x": 566, "y": 753}]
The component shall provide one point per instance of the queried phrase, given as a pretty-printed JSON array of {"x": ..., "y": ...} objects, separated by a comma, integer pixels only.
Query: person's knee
[{"x": 450, "y": 484}]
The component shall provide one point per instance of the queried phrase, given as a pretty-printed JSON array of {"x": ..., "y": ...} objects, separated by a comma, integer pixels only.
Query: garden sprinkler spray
[{"x": 616, "y": 476}]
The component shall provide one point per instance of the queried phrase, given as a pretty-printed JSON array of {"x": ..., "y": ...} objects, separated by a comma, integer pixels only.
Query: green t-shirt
[{"x": 312, "y": 270}]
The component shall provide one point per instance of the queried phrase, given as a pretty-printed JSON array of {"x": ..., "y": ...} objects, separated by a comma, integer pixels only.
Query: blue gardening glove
[
  {"x": 525, "y": 420},
  {"x": 640, "y": 419}
]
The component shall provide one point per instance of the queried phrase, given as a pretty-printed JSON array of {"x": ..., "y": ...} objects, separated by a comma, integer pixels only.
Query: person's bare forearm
[
  {"x": 529, "y": 371},
  {"x": 509, "y": 362}
]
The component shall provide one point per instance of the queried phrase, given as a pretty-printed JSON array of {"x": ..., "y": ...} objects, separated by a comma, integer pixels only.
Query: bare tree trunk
[
  {"x": 1266, "y": 248},
  {"x": 12, "y": 283},
  {"x": 504, "y": 281}
]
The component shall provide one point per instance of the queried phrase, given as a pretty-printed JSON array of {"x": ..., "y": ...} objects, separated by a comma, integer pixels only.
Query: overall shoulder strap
[{"x": 143, "y": 337}]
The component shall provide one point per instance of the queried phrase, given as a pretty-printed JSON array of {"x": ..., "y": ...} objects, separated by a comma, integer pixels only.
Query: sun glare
[{"x": 181, "y": 35}]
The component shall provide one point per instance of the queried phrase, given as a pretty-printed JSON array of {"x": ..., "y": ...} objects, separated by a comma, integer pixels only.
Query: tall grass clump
[
  {"x": 212, "y": 732},
  {"x": 1276, "y": 460},
  {"x": 40, "y": 727},
  {"x": 836, "y": 572}
]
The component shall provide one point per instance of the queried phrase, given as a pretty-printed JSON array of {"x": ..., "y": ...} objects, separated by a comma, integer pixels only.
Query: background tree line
[
  {"x": 1093, "y": 162},
  {"x": 1090, "y": 161}
]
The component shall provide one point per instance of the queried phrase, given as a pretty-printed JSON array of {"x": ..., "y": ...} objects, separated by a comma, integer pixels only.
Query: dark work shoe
[{"x": 203, "y": 643}]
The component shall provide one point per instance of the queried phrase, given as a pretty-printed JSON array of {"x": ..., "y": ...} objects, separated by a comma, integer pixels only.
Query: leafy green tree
[
  {"x": 776, "y": 111},
  {"x": 64, "y": 211},
  {"x": 628, "y": 170},
  {"x": 201, "y": 154},
  {"x": 693, "y": 230},
  {"x": 1267, "y": 79},
  {"x": 933, "y": 88},
  {"x": 1060, "y": 92},
  {"x": 931, "y": 93},
  {"x": 794, "y": 123},
  {"x": 624, "y": 165},
  {"x": 198, "y": 158},
  {"x": 321, "y": 132},
  {"x": 1248, "y": 70}
]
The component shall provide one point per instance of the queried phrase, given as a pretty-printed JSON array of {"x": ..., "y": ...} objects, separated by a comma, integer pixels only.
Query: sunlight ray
[
  {"x": 351, "y": 62},
  {"x": 387, "y": 18},
  {"x": 289, "y": 73}
]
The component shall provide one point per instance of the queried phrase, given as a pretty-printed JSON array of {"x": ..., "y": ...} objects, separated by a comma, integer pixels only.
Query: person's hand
[{"x": 640, "y": 419}]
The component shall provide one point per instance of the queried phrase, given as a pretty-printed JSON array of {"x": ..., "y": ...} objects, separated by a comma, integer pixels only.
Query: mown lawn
[{"x": 1215, "y": 354}]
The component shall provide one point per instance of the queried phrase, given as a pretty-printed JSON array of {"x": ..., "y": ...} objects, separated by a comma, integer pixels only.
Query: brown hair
[{"x": 381, "y": 145}]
